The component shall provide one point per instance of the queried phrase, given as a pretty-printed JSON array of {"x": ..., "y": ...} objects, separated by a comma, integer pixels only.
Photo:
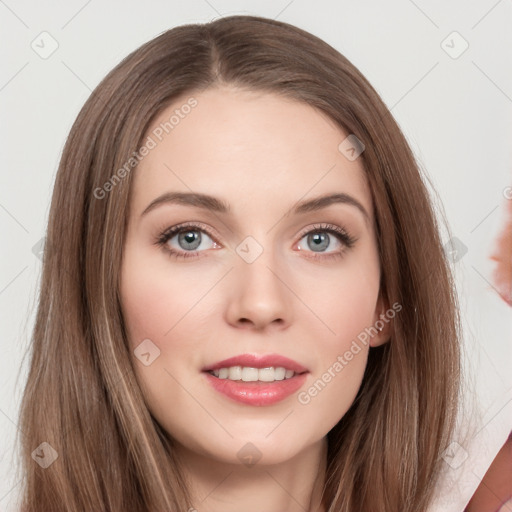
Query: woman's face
[{"x": 259, "y": 269}]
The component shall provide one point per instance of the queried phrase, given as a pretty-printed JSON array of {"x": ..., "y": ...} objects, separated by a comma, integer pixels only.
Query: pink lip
[
  {"x": 256, "y": 393},
  {"x": 258, "y": 361}
]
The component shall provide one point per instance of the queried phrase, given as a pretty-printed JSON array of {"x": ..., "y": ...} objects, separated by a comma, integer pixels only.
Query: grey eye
[
  {"x": 318, "y": 241},
  {"x": 189, "y": 240}
]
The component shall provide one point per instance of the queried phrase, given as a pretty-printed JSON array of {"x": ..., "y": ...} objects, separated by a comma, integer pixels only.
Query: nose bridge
[{"x": 259, "y": 294}]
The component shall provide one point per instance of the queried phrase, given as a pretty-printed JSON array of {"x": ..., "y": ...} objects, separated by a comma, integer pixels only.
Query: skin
[
  {"x": 260, "y": 153},
  {"x": 496, "y": 486},
  {"x": 502, "y": 254}
]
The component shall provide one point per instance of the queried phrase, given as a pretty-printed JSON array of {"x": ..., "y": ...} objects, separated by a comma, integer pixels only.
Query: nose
[{"x": 259, "y": 296}]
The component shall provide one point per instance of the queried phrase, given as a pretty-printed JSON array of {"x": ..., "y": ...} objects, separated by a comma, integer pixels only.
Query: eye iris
[
  {"x": 190, "y": 237},
  {"x": 321, "y": 241}
]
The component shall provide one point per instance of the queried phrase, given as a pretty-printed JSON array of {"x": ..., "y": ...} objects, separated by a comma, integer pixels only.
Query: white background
[{"x": 455, "y": 112}]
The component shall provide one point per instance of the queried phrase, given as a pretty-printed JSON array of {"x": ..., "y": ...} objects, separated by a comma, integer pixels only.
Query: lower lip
[{"x": 257, "y": 393}]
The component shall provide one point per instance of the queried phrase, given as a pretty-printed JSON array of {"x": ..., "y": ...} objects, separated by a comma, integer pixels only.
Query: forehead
[{"x": 253, "y": 149}]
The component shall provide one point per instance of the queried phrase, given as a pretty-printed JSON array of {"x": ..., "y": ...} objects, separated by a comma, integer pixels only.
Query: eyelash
[{"x": 343, "y": 236}]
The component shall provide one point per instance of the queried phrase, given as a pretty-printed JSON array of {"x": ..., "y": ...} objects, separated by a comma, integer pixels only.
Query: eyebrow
[{"x": 214, "y": 204}]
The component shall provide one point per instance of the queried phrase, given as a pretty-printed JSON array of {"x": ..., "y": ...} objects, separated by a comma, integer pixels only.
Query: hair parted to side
[{"x": 82, "y": 396}]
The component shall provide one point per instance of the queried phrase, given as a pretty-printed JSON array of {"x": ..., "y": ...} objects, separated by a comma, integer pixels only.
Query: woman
[{"x": 245, "y": 303}]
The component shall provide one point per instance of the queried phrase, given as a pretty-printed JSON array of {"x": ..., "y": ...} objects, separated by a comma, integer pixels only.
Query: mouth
[
  {"x": 258, "y": 392},
  {"x": 256, "y": 380}
]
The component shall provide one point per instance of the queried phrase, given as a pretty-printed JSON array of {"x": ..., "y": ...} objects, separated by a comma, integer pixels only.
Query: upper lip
[{"x": 258, "y": 361}]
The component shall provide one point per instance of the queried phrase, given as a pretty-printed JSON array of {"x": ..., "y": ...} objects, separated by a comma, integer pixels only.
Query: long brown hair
[{"x": 82, "y": 397}]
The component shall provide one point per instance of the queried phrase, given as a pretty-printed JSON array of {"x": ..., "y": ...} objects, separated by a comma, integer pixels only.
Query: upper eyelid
[
  {"x": 321, "y": 226},
  {"x": 174, "y": 230}
]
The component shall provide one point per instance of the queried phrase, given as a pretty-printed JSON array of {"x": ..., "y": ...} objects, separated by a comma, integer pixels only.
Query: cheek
[
  {"x": 156, "y": 299},
  {"x": 340, "y": 363},
  {"x": 163, "y": 307},
  {"x": 173, "y": 309},
  {"x": 340, "y": 301},
  {"x": 343, "y": 303}
]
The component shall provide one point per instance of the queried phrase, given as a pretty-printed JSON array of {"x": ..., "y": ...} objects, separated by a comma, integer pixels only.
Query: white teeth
[
  {"x": 248, "y": 374},
  {"x": 271, "y": 374},
  {"x": 235, "y": 373},
  {"x": 279, "y": 373}
]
